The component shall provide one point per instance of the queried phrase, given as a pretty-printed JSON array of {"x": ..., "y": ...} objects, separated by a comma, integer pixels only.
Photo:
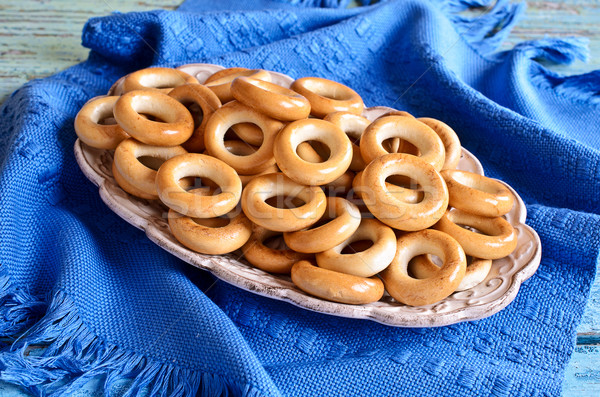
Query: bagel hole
[
  {"x": 213, "y": 222},
  {"x": 196, "y": 112},
  {"x": 161, "y": 85},
  {"x": 151, "y": 117},
  {"x": 248, "y": 133},
  {"x": 110, "y": 120},
  {"x": 329, "y": 91},
  {"x": 239, "y": 147},
  {"x": 403, "y": 181},
  {"x": 395, "y": 145},
  {"x": 357, "y": 246},
  {"x": 285, "y": 202},
  {"x": 474, "y": 230},
  {"x": 411, "y": 264},
  {"x": 204, "y": 186},
  {"x": 151, "y": 162},
  {"x": 319, "y": 148},
  {"x": 276, "y": 242}
]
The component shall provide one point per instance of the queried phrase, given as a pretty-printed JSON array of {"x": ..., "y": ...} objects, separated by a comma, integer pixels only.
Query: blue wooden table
[{"x": 38, "y": 38}]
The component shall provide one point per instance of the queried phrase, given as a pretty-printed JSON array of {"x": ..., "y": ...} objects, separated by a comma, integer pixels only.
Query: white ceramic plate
[{"x": 489, "y": 297}]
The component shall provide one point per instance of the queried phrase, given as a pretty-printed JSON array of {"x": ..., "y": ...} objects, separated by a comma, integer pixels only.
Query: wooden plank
[
  {"x": 39, "y": 38},
  {"x": 582, "y": 377}
]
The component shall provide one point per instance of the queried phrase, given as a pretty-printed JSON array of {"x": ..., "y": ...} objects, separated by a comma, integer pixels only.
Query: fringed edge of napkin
[{"x": 58, "y": 354}]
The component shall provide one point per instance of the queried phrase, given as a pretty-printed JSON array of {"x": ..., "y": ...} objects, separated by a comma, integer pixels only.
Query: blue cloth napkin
[{"x": 108, "y": 305}]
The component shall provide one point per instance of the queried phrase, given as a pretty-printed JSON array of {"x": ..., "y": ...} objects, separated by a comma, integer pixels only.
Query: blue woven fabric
[{"x": 109, "y": 305}]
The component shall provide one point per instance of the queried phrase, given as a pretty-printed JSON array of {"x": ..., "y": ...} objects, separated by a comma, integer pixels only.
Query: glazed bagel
[
  {"x": 178, "y": 123},
  {"x": 266, "y": 186},
  {"x": 476, "y": 194},
  {"x": 136, "y": 174},
  {"x": 235, "y": 113},
  {"x": 207, "y": 101},
  {"x": 306, "y": 172},
  {"x": 430, "y": 146},
  {"x": 394, "y": 211},
  {"x": 499, "y": 238},
  {"x": 270, "y": 99},
  {"x": 220, "y": 82},
  {"x": 365, "y": 263},
  {"x": 334, "y": 286},
  {"x": 344, "y": 218},
  {"x": 422, "y": 266},
  {"x": 326, "y": 96},
  {"x": 210, "y": 236},
  {"x": 270, "y": 259},
  {"x": 196, "y": 205},
  {"x": 452, "y": 148},
  {"x": 416, "y": 292},
  {"x": 354, "y": 126},
  {"x": 156, "y": 79},
  {"x": 89, "y": 129}
]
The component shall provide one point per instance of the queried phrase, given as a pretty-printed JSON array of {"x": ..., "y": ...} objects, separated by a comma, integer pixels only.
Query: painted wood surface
[{"x": 39, "y": 38}]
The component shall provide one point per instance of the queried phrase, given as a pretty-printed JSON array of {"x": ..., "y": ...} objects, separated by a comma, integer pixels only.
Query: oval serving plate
[{"x": 489, "y": 297}]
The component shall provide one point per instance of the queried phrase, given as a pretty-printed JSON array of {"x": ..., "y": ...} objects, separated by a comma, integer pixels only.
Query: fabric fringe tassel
[
  {"x": 59, "y": 355},
  {"x": 18, "y": 309},
  {"x": 584, "y": 87},
  {"x": 487, "y": 31},
  {"x": 321, "y": 3}
]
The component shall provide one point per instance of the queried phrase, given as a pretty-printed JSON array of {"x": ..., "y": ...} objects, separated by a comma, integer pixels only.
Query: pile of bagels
[{"x": 300, "y": 183}]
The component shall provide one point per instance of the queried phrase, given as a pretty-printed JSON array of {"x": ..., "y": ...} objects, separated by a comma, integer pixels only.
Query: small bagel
[
  {"x": 365, "y": 263},
  {"x": 196, "y": 205},
  {"x": 156, "y": 79},
  {"x": 354, "y": 126},
  {"x": 427, "y": 142},
  {"x": 422, "y": 266},
  {"x": 394, "y": 211},
  {"x": 452, "y": 148},
  {"x": 263, "y": 187},
  {"x": 334, "y": 286},
  {"x": 178, "y": 123},
  {"x": 220, "y": 82},
  {"x": 499, "y": 240},
  {"x": 477, "y": 194},
  {"x": 88, "y": 129},
  {"x": 270, "y": 99},
  {"x": 344, "y": 220},
  {"x": 134, "y": 172},
  {"x": 207, "y": 101},
  {"x": 305, "y": 172},
  {"x": 326, "y": 96},
  {"x": 270, "y": 259},
  {"x": 417, "y": 292},
  {"x": 235, "y": 113},
  {"x": 211, "y": 238}
]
